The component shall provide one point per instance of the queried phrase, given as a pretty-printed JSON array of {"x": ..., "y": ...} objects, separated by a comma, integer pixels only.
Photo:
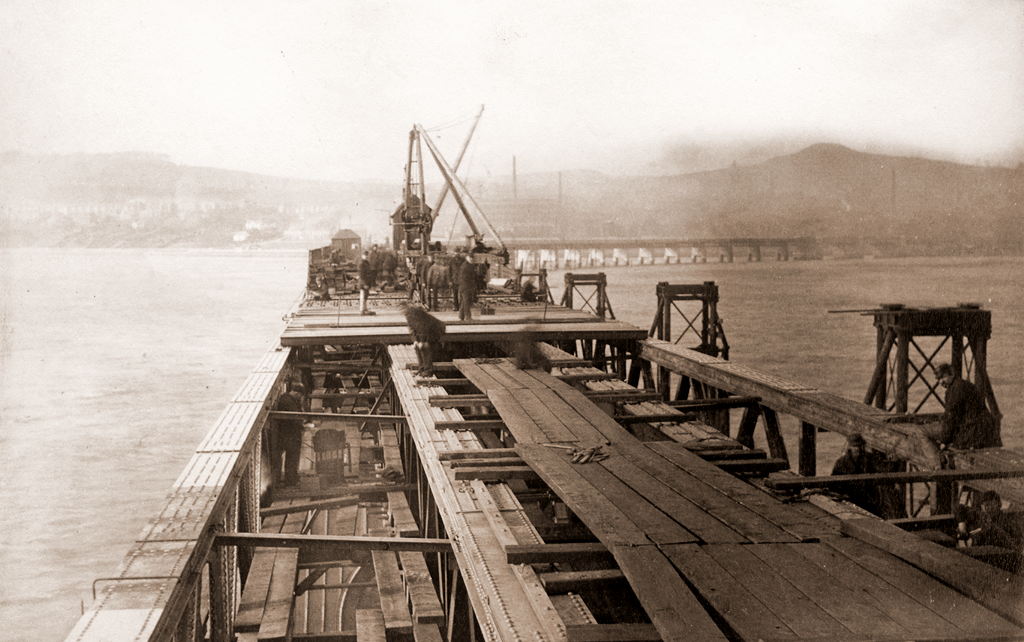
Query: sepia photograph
[{"x": 371, "y": 321}]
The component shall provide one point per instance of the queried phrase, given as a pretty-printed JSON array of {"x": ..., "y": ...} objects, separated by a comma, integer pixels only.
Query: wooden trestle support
[{"x": 461, "y": 517}]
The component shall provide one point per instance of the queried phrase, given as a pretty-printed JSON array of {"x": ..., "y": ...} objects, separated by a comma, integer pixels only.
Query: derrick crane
[{"x": 413, "y": 220}]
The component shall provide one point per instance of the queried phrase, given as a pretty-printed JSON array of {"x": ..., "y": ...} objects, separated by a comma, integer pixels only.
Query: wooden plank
[
  {"x": 419, "y": 588},
  {"x": 659, "y": 527},
  {"x": 726, "y": 595},
  {"x": 522, "y": 377},
  {"x": 758, "y": 501},
  {"x": 722, "y": 506},
  {"x": 580, "y": 428},
  {"x": 903, "y": 609},
  {"x": 672, "y": 607},
  {"x": 942, "y": 476},
  {"x": 612, "y": 633},
  {"x": 486, "y": 461},
  {"x": 401, "y": 515},
  {"x": 519, "y": 423},
  {"x": 751, "y": 466},
  {"x": 370, "y": 626},
  {"x": 664, "y": 492},
  {"x": 304, "y": 507},
  {"x": 589, "y": 552},
  {"x": 547, "y": 416},
  {"x": 334, "y": 543},
  {"x": 427, "y": 633},
  {"x": 494, "y": 473},
  {"x": 254, "y": 593},
  {"x": 796, "y": 610},
  {"x": 851, "y": 608},
  {"x": 471, "y": 424},
  {"x": 579, "y": 581},
  {"x": 277, "y": 616},
  {"x": 502, "y": 377},
  {"x": 397, "y": 620},
  {"x": 476, "y": 453},
  {"x": 996, "y": 589},
  {"x": 458, "y": 401},
  {"x": 476, "y": 374},
  {"x": 966, "y": 614},
  {"x": 604, "y": 518}
]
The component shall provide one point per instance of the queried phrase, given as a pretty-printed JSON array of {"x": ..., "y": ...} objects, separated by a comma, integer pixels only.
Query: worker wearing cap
[
  {"x": 985, "y": 524},
  {"x": 365, "y": 282},
  {"x": 857, "y": 461},
  {"x": 966, "y": 423},
  {"x": 288, "y": 434},
  {"x": 466, "y": 278}
]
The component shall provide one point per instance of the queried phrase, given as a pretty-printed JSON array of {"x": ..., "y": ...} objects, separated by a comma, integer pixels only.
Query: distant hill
[{"x": 851, "y": 201}]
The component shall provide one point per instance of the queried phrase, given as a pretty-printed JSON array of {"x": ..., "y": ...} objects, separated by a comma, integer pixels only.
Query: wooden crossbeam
[
  {"x": 797, "y": 483},
  {"x": 565, "y": 581},
  {"x": 586, "y": 376},
  {"x": 486, "y": 461},
  {"x": 498, "y": 473},
  {"x": 476, "y": 453},
  {"x": 612, "y": 633},
  {"x": 486, "y": 424},
  {"x": 453, "y": 382},
  {"x": 333, "y": 543},
  {"x": 458, "y": 401},
  {"x": 550, "y": 553},
  {"x": 325, "y": 504},
  {"x": 714, "y": 404},
  {"x": 656, "y": 418},
  {"x": 370, "y": 419},
  {"x": 760, "y": 466}
]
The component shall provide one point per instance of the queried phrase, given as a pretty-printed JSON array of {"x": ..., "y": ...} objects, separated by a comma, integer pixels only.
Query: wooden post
[
  {"x": 903, "y": 340},
  {"x": 808, "y": 456}
]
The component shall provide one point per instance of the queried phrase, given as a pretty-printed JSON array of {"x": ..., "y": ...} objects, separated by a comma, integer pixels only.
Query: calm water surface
[{"x": 115, "y": 363}]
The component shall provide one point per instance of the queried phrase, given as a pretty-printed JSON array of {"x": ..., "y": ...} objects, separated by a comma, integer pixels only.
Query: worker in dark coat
[
  {"x": 365, "y": 281},
  {"x": 466, "y": 281},
  {"x": 967, "y": 422},
  {"x": 288, "y": 434},
  {"x": 857, "y": 461},
  {"x": 427, "y": 332},
  {"x": 987, "y": 525}
]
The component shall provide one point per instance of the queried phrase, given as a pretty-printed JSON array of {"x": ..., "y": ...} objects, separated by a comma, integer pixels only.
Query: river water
[{"x": 115, "y": 363}]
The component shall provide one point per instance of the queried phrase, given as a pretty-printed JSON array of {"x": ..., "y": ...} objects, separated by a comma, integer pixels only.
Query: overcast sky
[{"x": 329, "y": 89}]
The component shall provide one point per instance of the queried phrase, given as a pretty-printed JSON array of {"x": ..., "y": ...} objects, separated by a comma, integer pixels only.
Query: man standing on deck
[
  {"x": 466, "y": 280},
  {"x": 966, "y": 423},
  {"x": 288, "y": 435},
  {"x": 365, "y": 278}
]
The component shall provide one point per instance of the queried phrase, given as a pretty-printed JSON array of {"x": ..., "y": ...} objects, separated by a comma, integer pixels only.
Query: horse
[{"x": 439, "y": 277}]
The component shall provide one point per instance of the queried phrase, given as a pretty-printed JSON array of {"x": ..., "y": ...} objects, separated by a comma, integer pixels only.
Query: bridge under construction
[{"x": 611, "y": 494}]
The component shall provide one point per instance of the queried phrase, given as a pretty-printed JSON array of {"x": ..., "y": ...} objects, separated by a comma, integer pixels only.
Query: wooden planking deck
[{"x": 506, "y": 603}]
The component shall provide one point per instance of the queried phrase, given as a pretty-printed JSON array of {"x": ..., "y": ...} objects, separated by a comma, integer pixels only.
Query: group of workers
[{"x": 967, "y": 424}]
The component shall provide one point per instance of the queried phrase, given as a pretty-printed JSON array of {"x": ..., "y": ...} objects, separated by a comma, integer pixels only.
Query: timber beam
[
  {"x": 798, "y": 483},
  {"x": 810, "y": 405},
  {"x": 333, "y": 543},
  {"x": 370, "y": 419}
]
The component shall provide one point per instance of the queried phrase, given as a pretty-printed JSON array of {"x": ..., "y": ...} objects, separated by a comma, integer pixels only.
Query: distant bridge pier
[
  {"x": 570, "y": 258},
  {"x": 671, "y": 256},
  {"x": 756, "y": 253},
  {"x": 729, "y": 255},
  {"x": 549, "y": 259},
  {"x": 619, "y": 257},
  {"x": 645, "y": 256},
  {"x": 595, "y": 258}
]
